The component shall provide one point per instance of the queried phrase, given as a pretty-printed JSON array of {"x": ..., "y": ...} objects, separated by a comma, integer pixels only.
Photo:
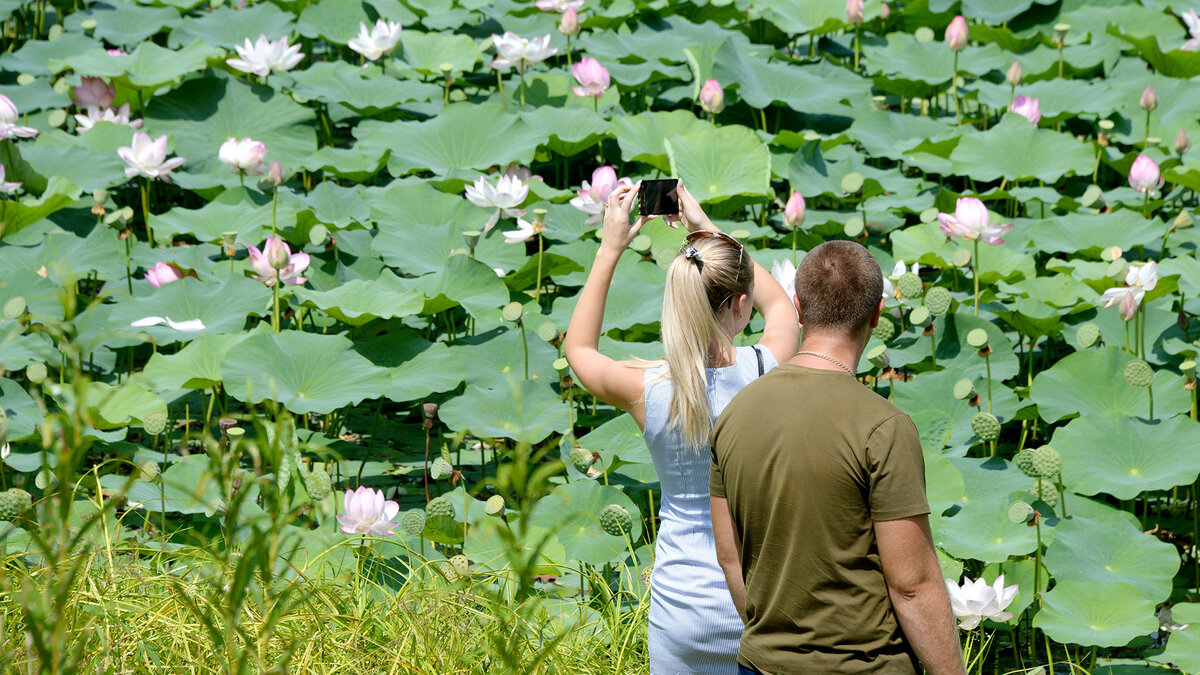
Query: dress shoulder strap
[{"x": 759, "y": 356}]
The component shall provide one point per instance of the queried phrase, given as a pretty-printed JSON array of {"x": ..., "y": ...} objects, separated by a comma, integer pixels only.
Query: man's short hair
[{"x": 839, "y": 285}]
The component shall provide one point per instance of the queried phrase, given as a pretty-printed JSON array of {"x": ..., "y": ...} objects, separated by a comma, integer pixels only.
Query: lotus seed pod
[
  {"x": 155, "y": 423},
  {"x": 615, "y": 520},
  {"x": 1024, "y": 462},
  {"x": 1188, "y": 368},
  {"x": 1045, "y": 491},
  {"x": 14, "y": 307},
  {"x": 938, "y": 299},
  {"x": 1139, "y": 374},
  {"x": 318, "y": 484},
  {"x": 977, "y": 338},
  {"x": 878, "y": 356},
  {"x": 919, "y": 316},
  {"x": 440, "y": 469},
  {"x": 36, "y": 372},
  {"x": 461, "y": 565},
  {"x": 512, "y": 311},
  {"x": 886, "y": 330},
  {"x": 547, "y": 331},
  {"x": 1019, "y": 512},
  {"x": 986, "y": 426},
  {"x": 561, "y": 365},
  {"x": 413, "y": 523},
  {"x": 961, "y": 258},
  {"x": 647, "y": 573},
  {"x": 1088, "y": 335},
  {"x": 9, "y": 506},
  {"x": 909, "y": 285},
  {"x": 24, "y": 499},
  {"x": 1047, "y": 462},
  {"x": 852, "y": 182},
  {"x": 964, "y": 389},
  {"x": 581, "y": 459},
  {"x": 440, "y": 506},
  {"x": 494, "y": 506},
  {"x": 148, "y": 470}
]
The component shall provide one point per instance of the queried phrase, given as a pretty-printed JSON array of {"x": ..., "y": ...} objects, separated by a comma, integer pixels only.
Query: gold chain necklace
[{"x": 835, "y": 362}]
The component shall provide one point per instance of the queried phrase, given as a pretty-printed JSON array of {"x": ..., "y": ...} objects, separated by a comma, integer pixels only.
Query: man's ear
[
  {"x": 799, "y": 310},
  {"x": 878, "y": 311}
]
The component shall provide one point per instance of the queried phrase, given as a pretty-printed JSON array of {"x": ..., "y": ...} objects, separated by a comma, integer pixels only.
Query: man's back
[{"x": 807, "y": 460}]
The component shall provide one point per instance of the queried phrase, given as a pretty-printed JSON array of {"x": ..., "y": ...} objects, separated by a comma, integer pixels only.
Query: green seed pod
[
  {"x": 977, "y": 338},
  {"x": 1019, "y": 512},
  {"x": 1045, "y": 491},
  {"x": 919, "y": 316},
  {"x": 1047, "y": 462},
  {"x": 964, "y": 389},
  {"x": 561, "y": 365},
  {"x": 615, "y": 520},
  {"x": 1139, "y": 374},
  {"x": 938, "y": 300},
  {"x": 1024, "y": 462},
  {"x": 547, "y": 331},
  {"x": 1088, "y": 335},
  {"x": 24, "y": 499},
  {"x": 413, "y": 523},
  {"x": 440, "y": 469},
  {"x": 886, "y": 330},
  {"x": 318, "y": 484},
  {"x": 512, "y": 311},
  {"x": 581, "y": 459},
  {"x": 985, "y": 426},
  {"x": 10, "y": 506},
  {"x": 14, "y": 307},
  {"x": 445, "y": 453},
  {"x": 494, "y": 506},
  {"x": 45, "y": 479},
  {"x": 155, "y": 423},
  {"x": 647, "y": 572},
  {"x": 909, "y": 285},
  {"x": 440, "y": 506},
  {"x": 36, "y": 372},
  {"x": 461, "y": 565},
  {"x": 878, "y": 356},
  {"x": 148, "y": 470}
]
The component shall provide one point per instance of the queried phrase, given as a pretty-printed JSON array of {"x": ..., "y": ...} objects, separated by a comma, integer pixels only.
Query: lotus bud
[
  {"x": 277, "y": 253},
  {"x": 1149, "y": 99},
  {"x": 1182, "y": 143},
  {"x": 712, "y": 97},
  {"x": 885, "y": 12},
  {"x": 1183, "y": 220},
  {"x": 854, "y": 12},
  {"x": 794, "y": 212},
  {"x": 1014, "y": 75},
  {"x": 570, "y": 22},
  {"x": 956, "y": 34},
  {"x": 275, "y": 174}
]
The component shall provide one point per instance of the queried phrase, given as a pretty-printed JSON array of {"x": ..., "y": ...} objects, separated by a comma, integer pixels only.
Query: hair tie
[{"x": 690, "y": 252}]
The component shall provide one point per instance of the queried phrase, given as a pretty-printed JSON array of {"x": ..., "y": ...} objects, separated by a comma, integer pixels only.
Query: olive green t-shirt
[{"x": 808, "y": 459}]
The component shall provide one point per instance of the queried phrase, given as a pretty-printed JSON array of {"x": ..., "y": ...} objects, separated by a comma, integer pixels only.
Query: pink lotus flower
[
  {"x": 970, "y": 222},
  {"x": 84, "y": 123},
  {"x": 265, "y": 57},
  {"x": 1014, "y": 74},
  {"x": 1029, "y": 108},
  {"x": 592, "y": 76},
  {"x": 592, "y": 196},
  {"x": 956, "y": 34},
  {"x": 381, "y": 39},
  {"x": 7, "y": 187},
  {"x": 1182, "y": 142},
  {"x": 784, "y": 272},
  {"x": 148, "y": 158},
  {"x": 275, "y": 175},
  {"x": 117, "y": 52},
  {"x": 8, "y": 121},
  {"x": 1149, "y": 99},
  {"x": 1138, "y": 280},
  {"x": 506, "y": 197},
  {"x": 94, "y": 92},
  {"x": 1144, "y": 175},
  {"x": 975, "y": 601},
  {"x": 712, "y": 97},
  {"x": 854, "y": 12},
  {"x": 277, "y": 250},
  {"x": 570, "y": 22},
  {"x": 367, "y": 512},
  {"x": 244, "y": 157},
  {"x": 558, "y": 5},
  {"x": 163, "y": 273},
  {"x": 885, "y": 12},
  {"x": 1192, "y": 21},
  {"x": 794, "y": 211}
]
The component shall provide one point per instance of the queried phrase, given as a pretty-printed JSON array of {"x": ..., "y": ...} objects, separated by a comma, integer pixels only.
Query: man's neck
[{"x": 845, "y": 349}]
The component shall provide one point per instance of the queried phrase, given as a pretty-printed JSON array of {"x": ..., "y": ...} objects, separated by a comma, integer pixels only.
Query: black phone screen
[{"x": 658, "y": 197}]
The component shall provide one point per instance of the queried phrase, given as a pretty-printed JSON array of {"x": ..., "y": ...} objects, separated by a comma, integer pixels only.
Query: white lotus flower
[
  {"x": 265, "y": 57},
  {"x": 375, "y": 42},
  {"x": 524, "y": 232},
  {"x": 514, "y": 50},
  {"x": 899, "y": 269},
  {"x": 8, "y": 121},
  {"x": 785, "y": 273},
  {"x": 367, "y": 512},
  {"x": 84, "y": 123},
  {"x": 244, "y": 157},
  {"x": 5, "y": 451},
  {"x": 559, "y": 6},
  {"x": 506, "y": 196},
  {"x": 1193, "y": 25},
  {"x": 975, "y": 601},
  {"x": 1138, "y": 280},
  {"x": 7, "y": 187},
  {"x": 189, "y": 326},
  {"x": 148, "y": 158}
]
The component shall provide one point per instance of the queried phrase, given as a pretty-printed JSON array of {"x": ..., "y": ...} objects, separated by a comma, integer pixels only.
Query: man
[{"x": 818, "y": 500}]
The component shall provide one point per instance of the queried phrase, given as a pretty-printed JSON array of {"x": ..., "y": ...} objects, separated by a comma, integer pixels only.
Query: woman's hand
[
  {"x": 690, "y": 213},
  {"x": 618, "y": 233}
]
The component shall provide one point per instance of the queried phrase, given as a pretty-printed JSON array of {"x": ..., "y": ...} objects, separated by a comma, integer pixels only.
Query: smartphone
[{"x": 658, "y": 197}]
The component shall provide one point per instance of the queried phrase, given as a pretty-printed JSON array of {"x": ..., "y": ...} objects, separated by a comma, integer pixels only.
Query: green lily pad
[
  {"x": 571, "y": 511},
  {"x": 721, "y": 164},
  {"x": 1095, "y": 613},
  {"x": 364, "y": 90},
  {"x": 1183, "y": 647},
  {"x": 124, "y": 24},
  {"x": 427, "y": 53},
  {"x": 221, "y": 305},
  {"x": 642, "y": 137},
  {"x": 1017, "y": 150},
  {"x": 762, "y": 83},
  {"x": 1125, "y": 456},
  {"x": 1091, "y": 382},
  {"x": 361, "y": 300},
  {"x": 418, "y": 367},
  {"x": 196, "y": 366},
  {"x": 129, "y": 403},
  {"x": 1109, "y": 549},
  {"x": 981, "y": 531},
  {"x": 147, "y": 67},
  {"x": 525, "y": 411},
  {"x": 227, "y": 27}
]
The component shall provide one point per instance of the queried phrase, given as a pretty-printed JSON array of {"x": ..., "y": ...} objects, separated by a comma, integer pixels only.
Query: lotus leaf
[
  {"x": 465, "y": 282},
  {"x": 1095, "y": 613},
  {"x": 129, "y": 403},
  {"x": 490, "y": 545},
  {"x": 1109, "y": 549},
  {"x": 236, "y": 210},
  {"x": 762, "y": 83},
  {"x": 571, "y": 512},
  {"x": 524, "y": 411},
  {"x": 227, "y": 27},
  {"x": 35, "y": 55},
  {"x": 365, "y": 91},
  {"x": 1091, "y": 383},
  {"x": 146, "y": 67},
  {"x": 642, "y": 137},
  {"x": 20, "y": 410},
  {"x": 1183, "y": 647},
  {"x": 196, "y": 366},
  {"x": 59, "y": 194},
  {"x": 1124, "y": 456},
  {"x": 418, "y": 368},
  {"x": 125, "y": 24},
  {"x": 721, "y": 164},
  {"x": 222, "y": 306},
  {"x": 359, "y": 301},
  {"x": 89, "y": 161},
  {"x": 1014, "y": 149},
  {"x": 981, "y": 531},
  {"x": 427, "y": 53},
  {"x": 492, "y": 359},
  {"x": 333, "y": 20}
]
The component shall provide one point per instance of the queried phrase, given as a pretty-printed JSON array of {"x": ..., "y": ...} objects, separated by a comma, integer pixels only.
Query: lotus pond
[{"x": 255, "y": 256}]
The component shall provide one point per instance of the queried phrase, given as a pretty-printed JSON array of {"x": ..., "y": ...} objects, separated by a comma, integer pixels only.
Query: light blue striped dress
[{"x": 694, "y": 628}]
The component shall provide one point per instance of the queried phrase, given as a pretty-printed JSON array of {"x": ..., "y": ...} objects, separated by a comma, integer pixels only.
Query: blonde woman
[{"x": 711, "y": 286}]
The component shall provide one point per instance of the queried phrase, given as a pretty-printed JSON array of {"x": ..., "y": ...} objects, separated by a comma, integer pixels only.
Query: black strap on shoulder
[{"x": 758, "y": 354}]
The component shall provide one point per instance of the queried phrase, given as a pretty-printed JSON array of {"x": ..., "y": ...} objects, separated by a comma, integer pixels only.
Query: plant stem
[
  {"x": 987, "y": 360},
  {"x": 954, "y": 87},
  {"x": 525, "y": 346},
  {"x": 500, "y": 85},
  {"x": 145, "y": 189},
  {"x": 1146, "y": 142},
  {"x": 857, "y": 37},
  {"x": 274, "y": 202},
  {"x": 275, "y": 297},
  {"x": 975, "y": 269},
  {"x": 537, "y": 293},
  {"x": 522, "y": 69}
]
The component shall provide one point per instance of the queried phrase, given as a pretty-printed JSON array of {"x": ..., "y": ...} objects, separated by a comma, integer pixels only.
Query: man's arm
[
  {"x": 729, "y": 553},
  {"x": 918, "y": 594}
]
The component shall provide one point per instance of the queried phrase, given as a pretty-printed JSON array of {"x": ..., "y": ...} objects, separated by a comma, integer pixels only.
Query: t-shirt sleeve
[
  {"x": 896, "y": 470},
  {"x": 716, "y": 479}
]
